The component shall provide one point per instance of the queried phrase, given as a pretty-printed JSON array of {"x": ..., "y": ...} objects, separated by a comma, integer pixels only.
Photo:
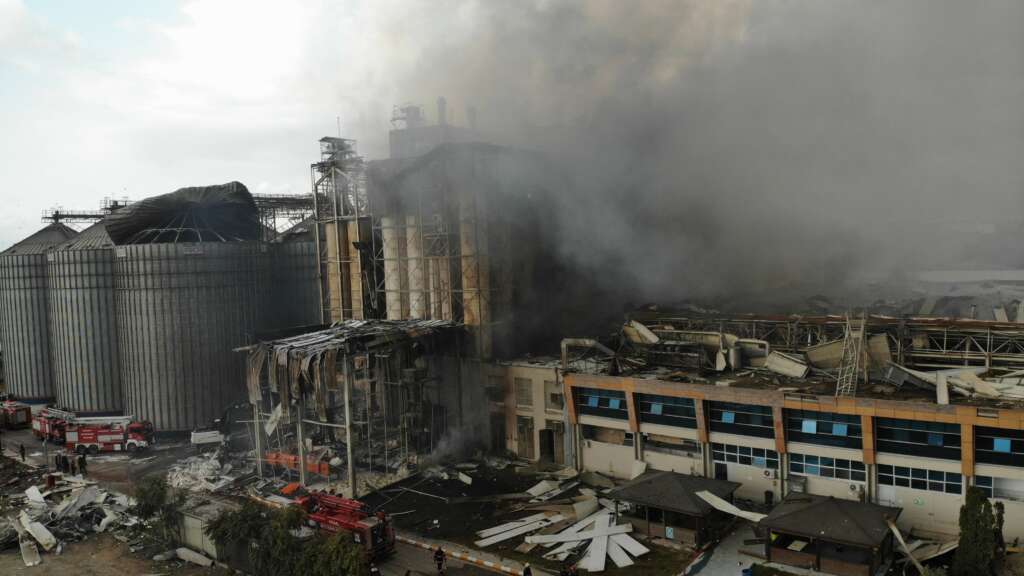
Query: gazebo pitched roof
[
  {"x": 832, "y": 519},
  {"x": 674, "y": 492}
]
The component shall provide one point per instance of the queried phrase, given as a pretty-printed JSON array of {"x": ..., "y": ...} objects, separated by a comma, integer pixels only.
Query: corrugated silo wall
[
  {"x": 182, "y": 309},
  {"x": 24, "y": 331},
  {"x": 294, "y": 285},
  {"x": 83, "y": 330}
]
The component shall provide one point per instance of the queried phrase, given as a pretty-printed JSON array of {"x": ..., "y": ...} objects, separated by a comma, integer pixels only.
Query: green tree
[
  {"x": 276, "y": 548},
  {"x": 977, "y": 550},
  {"x": 160, "y": 505},
  {"x": 335, "y": 554}
]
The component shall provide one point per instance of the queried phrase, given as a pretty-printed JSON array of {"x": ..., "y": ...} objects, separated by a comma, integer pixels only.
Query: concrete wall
[
  {"x": 753, "y": 479},
  {"x": 608, "y": 459},
  {"x": 837, "y": 488},
  {"x": 538, "y": 411},
  {"x": 1013, "y": 526},
  {"x": 693, "y": 466},
  {"x": 927, "y": 512}
]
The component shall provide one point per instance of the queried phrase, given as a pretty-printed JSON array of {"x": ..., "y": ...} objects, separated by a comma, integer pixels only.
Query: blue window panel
[
  {"x": 839, "y": 429},
  {"x": 656, "y": 409},
  {"x": 1001, "y": 445},
  {"x": 809, "y": 427},
  {"x": 592, "y": 401},
  {"x": 812, "y": 470},
  {"x": 759, "y": 462},
  {"x": 934, "y": 439},
  {"x": 613, "y": 403},
  {"x": 729, "y": 417}
]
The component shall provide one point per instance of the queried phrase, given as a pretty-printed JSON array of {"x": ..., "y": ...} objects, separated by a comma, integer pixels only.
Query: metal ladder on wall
[{"x": 853, "y": 352}]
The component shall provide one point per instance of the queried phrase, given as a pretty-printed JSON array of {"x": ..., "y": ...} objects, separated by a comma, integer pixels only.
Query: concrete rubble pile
[
  {"x": 209, "y": 472},
  {"x": 583, "y": 527},
  {"x": 64, "y": 509}
]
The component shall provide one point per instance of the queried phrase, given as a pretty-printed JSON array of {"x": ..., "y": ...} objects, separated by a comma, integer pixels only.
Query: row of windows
[
  {"x": 759, "y": 457},
  {"x": 920, "y": 479},
  {"x": 825, "y": 428},
  {"x": 669, "y": 410},
  {"x": 893, "y": 435},
  {"x": 827, "y": 467},
  {"x": 918, "y": 438},
  {"x": 997, "y": 446},
  {"x": 745, "y": 419},
  {"x": 606, "y": 403}
]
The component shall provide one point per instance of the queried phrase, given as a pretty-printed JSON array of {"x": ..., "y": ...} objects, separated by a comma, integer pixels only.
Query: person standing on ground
[
  {"x": 82, "y": 464},
  {"x": 21, "y": 450},
  {"x": 440, "y": 559}
]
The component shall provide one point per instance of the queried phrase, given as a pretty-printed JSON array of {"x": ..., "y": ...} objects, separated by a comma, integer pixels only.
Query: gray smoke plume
[{"x": 729, "y": 148}]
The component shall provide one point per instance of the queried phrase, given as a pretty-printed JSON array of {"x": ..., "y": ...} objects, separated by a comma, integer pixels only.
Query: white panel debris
[
  {"x": 727, "y": 507},
  {"x": 787, "y": 365}
]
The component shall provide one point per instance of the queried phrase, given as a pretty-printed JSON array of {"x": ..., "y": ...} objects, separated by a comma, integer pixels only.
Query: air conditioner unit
[
  {"x": 854, "y": 487},
  {"x": 770, "y": 473}
]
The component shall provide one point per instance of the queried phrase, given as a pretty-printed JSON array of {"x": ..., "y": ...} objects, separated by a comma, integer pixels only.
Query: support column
[
  {"x": 258, "y": 438},
  {"x": 419, "y": 301},
  {"x": 780, "y": 429},
  {"x": 967, "y": 449},
  {"x": 392, "y": 270},
  {"x": 476, "y": 276},
  {"x": 350, "y": 459},
  {"x": 300, "y": 435},
  {"x": 867, "y": 427}
]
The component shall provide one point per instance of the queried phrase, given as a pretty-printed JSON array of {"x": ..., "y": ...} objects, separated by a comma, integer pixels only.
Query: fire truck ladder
[{"x": 853, "y": 350}]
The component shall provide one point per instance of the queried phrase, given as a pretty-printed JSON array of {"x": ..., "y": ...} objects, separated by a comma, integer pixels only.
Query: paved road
[{"x": 419, "y": 562}]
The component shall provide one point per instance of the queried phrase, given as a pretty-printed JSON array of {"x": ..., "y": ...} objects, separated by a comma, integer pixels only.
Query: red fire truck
[
  {"x": 92, "y": 434},
  {"x": 49, "y": 424},
  {"x": 15, "y": 415},
  {"x": 373, "y": 532},
  {"x": 93, "y": 438}
]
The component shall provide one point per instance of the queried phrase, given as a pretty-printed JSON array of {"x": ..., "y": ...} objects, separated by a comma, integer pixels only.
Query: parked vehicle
[
  {"x": 374, "y": 533},
  {"x": 117, "y": 437},
  {"x": 15, "y": 415}
]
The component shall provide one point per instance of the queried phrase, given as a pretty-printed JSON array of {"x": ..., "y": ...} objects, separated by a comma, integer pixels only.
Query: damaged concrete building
[{"x": 900, "y": 412}]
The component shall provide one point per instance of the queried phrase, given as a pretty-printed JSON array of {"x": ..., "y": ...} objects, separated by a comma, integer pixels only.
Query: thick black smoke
[{"x": 730, "y": 150}]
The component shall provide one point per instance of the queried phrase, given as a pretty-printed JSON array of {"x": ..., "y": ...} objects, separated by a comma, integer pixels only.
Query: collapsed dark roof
[
  {"x": 674, "y": 492},
  {"x": 43, "y": 240},
  {"x": 835, "y": 520},
  {"x": 220, "y": 213}
]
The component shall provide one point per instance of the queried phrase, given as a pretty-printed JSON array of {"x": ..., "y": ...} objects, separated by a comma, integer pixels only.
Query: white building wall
[
  {"x": 1013, "y": 527},
  {"x": 755, "y": 481},
  {"x": 835, "y": 487},
  {"x": 925, "y": 512},
  {"x": 692, "y": 465},
  {"x": 608, "y": 459}
]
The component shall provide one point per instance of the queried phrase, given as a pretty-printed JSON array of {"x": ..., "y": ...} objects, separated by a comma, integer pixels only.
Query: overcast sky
[{"x": 128, "y": 98}]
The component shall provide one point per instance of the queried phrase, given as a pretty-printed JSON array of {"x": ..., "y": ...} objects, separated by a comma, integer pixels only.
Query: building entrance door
[
  {"x": 721, "y": 471},
  {"x": 547, "y": 445}
]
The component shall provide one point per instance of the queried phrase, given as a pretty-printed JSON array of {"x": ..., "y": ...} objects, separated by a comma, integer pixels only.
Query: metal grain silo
[
  {"x": 83, "y": 323},
  {"x": 295, "y": 292},
  {"x": 187, "y": 270},
  {"x": 24, "y": 315}
]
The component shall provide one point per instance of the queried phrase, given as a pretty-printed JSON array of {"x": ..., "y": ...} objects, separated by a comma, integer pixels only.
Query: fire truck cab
[
  {"x": 374, "y": 533},
  {"x": 49, "y": 426}
]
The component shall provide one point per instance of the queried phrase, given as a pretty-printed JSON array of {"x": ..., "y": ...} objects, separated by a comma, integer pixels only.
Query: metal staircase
[{"x": 853, "y": 353}]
